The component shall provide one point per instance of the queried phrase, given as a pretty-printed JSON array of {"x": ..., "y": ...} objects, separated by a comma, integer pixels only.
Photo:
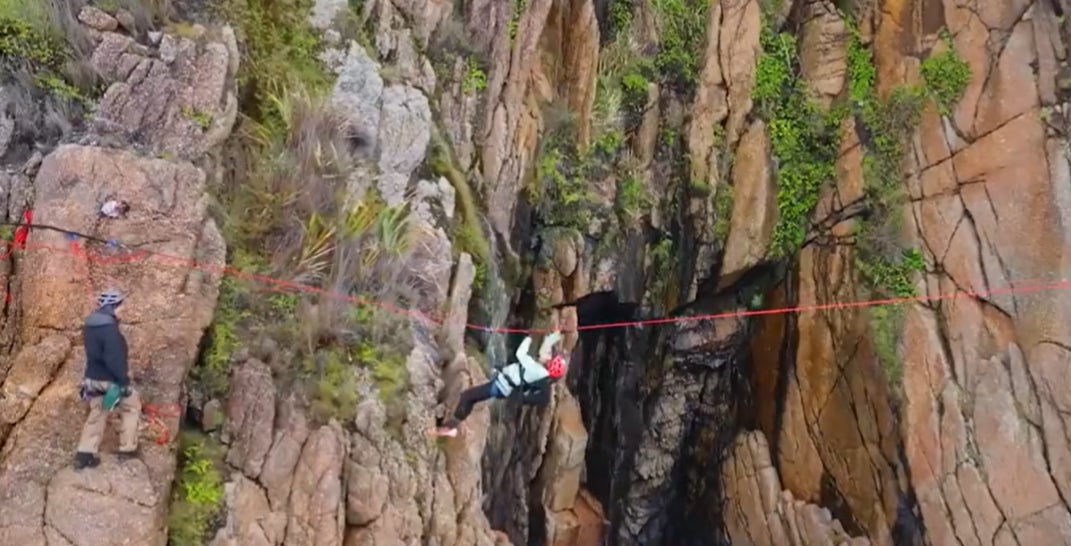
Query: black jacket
[
  {"x": 106, "y": 349},
  {"x": 537, "y": 393}
]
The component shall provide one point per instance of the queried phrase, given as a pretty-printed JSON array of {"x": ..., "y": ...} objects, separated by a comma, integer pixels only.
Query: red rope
[
  {"x": 154, "y": 415},
  {"x": 1014, "y": 287}
]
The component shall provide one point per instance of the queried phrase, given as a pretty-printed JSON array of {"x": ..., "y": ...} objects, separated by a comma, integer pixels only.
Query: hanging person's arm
[
  {"x": 522, "y": 350},
  {"x": 547, "y": 347}
]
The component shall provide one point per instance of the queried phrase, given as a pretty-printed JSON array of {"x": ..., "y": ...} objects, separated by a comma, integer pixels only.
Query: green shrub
[
  {"x": 475, "y": 78},
  {"x": 620, "y": 20},
  {"x": 333, "y": 385},
  {"x": 560, "y": 188},
  {"x": 723, "y": 212},
  {"x": 23, "y": 45},
  {"x": 634, "y": 87},
  {"x": 894, "y": 278},
  {"x": 946, "y": 75},
  {"x": 803, "y": 138},
  {"x": 887, "y": 126},
  {"x": 682, "y": 30},
  {"x": 197, "y": 496},
  {"x": 280, "y": 54},
  {"x": 632, "y": 198},
  {"x": 212, "y": 370}
]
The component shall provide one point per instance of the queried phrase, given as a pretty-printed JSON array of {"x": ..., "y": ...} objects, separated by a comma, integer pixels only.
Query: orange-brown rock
[
  {"x": 574, "y": 518},
  {"x": 758, "y": 512},
  {"x": 983, "y": 435},
  {"x": 168, "y": 307},
  {"x": 710, "y": 106},
  {"x": 581, "y": 525},
  {"x": 754, "y": 211}
]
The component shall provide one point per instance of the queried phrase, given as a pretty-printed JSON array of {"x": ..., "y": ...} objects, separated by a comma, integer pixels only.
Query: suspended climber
[{"x": 528, "y": 379}]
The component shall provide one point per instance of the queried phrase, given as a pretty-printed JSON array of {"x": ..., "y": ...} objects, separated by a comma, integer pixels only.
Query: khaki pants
[{"x": 129, "y": 409}]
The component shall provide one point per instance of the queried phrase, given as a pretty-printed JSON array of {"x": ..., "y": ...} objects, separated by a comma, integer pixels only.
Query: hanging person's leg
[{"x": 465, "y": 404}]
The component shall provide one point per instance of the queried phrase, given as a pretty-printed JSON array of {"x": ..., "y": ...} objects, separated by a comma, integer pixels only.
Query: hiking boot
[
  {"x": 128, "y": 455},
  {"x": 85, "y": 460}
]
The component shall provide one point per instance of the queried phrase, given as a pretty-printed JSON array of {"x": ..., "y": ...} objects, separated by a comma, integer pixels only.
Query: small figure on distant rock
[
  {"x": 529, "y": 379},
  {"x": 114, "y": 209},
  {"x": 107, "y": 384}
]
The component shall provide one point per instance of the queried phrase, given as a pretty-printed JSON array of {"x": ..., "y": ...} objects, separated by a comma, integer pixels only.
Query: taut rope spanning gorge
[{"x": 1016, "y": 287}]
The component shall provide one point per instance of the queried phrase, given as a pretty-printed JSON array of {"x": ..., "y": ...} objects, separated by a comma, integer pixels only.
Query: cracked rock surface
[
  {"x": 977, "y": 452},
  {"x": 168, "y": 307}
]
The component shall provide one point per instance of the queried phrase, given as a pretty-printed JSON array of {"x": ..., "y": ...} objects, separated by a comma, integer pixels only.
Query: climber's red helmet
[{"x": 556, "y": 366}]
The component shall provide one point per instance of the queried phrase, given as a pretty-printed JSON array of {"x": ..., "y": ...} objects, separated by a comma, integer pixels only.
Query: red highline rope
[{"x": 1015, "y": 287}]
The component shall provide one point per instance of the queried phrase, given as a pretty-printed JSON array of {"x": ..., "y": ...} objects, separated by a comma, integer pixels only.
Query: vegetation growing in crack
[
  {"x": 199, "y": 118},
  {"x": 560, "y": 187},
  {"x": 803, "y": 138},
  {"x": 632, "y": 198},
  {"x": 886, "y": 267},
  {"x": 197, "y": 497},
  {"x": 723, "y": 212},
  {"x": 221, "y": 340},
  {"x": 519, "y": 6},
  {"x": 662, "y": 278},
  {"x": 682, "y": 29},
  {"x": 465, "y": 233},
  {"x": 945, "y": 74},
  {"x": 280, "y": 55},
  {"x": 886, "y": 124},
  {"x": 475, "y": 78},
  {"x": 619, "y": 20},
  {"x": 620, "y": 88}
]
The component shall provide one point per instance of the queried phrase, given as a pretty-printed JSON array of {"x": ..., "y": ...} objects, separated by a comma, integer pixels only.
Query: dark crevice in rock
[
  {"x": 787, "y": 366},
  {"x": 908, "y": 526},
  {"x": 630, "y": 377}
]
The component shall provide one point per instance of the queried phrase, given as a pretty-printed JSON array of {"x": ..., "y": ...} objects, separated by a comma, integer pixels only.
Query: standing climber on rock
[
  {"x": 107, "y": 383},
  {"x": 529, "y": 379}
]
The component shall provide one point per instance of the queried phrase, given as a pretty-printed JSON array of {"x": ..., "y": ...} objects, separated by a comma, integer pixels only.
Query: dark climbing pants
[{"x": 472, "y": 396}]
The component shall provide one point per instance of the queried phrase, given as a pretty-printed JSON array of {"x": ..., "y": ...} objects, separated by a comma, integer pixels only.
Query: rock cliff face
[
  {"x": 55, "y": 282},
  {"x": 774, "y": 166}
]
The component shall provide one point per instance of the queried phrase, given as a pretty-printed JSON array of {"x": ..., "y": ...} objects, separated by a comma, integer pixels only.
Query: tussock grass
[
  {"x": 44, "y": 71},
  {"x": 292, "y": 202}
]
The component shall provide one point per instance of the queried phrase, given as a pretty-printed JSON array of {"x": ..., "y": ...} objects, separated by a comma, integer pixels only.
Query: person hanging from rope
[
  {"x": 107, "y": 383},
  {"x": 528, "y": 379}
]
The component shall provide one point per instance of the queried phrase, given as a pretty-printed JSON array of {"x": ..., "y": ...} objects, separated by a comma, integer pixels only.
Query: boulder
[
  {"x": 178, "y": 101},
  {"x": 169, "y": 303}
]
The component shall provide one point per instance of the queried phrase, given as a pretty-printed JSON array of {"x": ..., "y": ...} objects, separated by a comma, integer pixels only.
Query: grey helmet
[{"x": 109, "y": 297}]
